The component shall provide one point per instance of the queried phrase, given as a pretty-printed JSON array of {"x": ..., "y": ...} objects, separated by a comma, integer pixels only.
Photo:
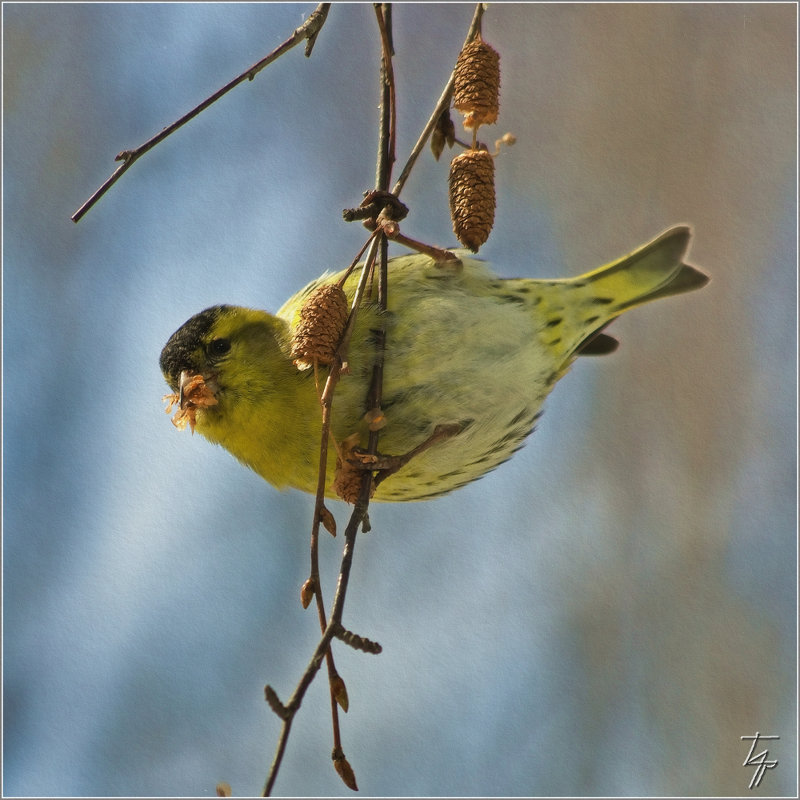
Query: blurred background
[{"x": 607, "y": 614}]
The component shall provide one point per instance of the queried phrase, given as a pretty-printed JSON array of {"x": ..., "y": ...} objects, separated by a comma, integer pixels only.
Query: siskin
[{"x": 465, "y": 349}]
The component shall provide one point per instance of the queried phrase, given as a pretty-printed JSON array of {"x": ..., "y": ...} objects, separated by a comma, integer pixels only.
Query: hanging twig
[
  {"x": 286, "y": 712},
  {"x": 386, "y": 158},
  {"x": 334, "y": 626},
  {"x": 388, "y": 123},
  {"x": 337, "y": 686},
  {"x": 383, "y": 223},
  {"x": 309, "y": 31},
  {"x": 441, "y": 105}
]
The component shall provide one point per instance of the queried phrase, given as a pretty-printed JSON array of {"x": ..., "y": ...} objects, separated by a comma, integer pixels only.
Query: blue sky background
[{"x": 606, "y": 614}]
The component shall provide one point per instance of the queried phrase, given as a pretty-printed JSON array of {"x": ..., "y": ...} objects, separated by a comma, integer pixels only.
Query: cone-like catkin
[
  {"x": 349, "y": 476},
  {"x": 322, "y": 320},
  {"x": 477, "y": 84},
  {"x": 472, "y": 200}
]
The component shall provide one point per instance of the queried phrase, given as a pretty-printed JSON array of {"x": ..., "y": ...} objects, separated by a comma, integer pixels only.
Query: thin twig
[
  {"x": 324, "y": 643},
  {"x": 386, "y": 145},
  {"x": 309, "y": 30},
  {"x": 333, "y": 629},
  {"x": 338, "y": 690},
  {"x": 326, "y": 401},
  {"x": 334, "y": 624},
  {"x": 441, "y": 105},
  {"x": 438, "y": 254},
  {"x": 386, "y": 159}
]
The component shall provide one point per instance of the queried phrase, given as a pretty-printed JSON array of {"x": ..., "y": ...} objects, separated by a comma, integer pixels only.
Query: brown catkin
[
  {"x": 472, "y": 200},
  {"x": 350, "y": 469},
  {"x": 348, "y": 481},
  {"x": 476, "y": 93},
  {"x": 322, "y": 320}
]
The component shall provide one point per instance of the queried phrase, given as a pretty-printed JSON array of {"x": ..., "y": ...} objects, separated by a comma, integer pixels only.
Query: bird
[{"x": 469, "y": 359}]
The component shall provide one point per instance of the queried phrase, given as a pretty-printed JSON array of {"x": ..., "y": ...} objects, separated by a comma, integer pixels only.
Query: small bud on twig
[
  {"x": 327, "y": 520},
  {"x": 375, "y": 419},
  {"x": 346, "y": 773},
  {"x": 339, "y": 691},
  {"x": 274, "y": 702},
  {"x": 443, "y": 134},
  {"x": 307, "y": 592}
]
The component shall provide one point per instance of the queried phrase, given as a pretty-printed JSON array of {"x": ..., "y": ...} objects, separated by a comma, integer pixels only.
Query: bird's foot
[{"x": 385, "y": 465}]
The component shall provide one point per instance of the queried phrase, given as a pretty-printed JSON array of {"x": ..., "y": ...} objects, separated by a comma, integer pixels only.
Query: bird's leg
[
  {"x": 439, "y": 255},
  {"x": 385, "y": 465}
]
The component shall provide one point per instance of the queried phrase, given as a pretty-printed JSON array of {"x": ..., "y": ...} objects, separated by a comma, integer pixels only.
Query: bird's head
[{"x": 223, "y": 356}]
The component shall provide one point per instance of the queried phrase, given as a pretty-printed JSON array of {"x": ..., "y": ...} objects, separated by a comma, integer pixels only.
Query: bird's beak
[
  {"x": 185, "y": 378},
  {"x": 196, "y": 390},
  {"x": 194, "y": 393}
]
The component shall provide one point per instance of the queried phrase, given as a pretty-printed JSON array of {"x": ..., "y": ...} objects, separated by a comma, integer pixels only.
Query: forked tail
[{"x": 650, "y": 272}]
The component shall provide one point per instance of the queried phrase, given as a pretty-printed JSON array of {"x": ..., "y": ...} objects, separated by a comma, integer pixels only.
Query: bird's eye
[{"x": 218, "y": 347}]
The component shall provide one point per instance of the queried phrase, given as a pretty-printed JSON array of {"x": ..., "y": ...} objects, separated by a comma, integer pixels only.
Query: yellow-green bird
[{"x": 464, "y": 349}]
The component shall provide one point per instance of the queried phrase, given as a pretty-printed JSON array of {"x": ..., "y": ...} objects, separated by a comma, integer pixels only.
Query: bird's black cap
[{"x": 177, "y": 353}]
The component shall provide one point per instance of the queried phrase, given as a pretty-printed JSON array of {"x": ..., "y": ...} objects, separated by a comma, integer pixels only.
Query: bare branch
[
  {"x": 388, "y": 126},
  {"x": 309, "y": 30},
  {"x": 359, "y": 512},
  {"x": 441, "y": 105}
]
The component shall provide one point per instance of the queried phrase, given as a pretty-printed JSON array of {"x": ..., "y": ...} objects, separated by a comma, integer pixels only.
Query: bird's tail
[{"x": 650, "y": 272}]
